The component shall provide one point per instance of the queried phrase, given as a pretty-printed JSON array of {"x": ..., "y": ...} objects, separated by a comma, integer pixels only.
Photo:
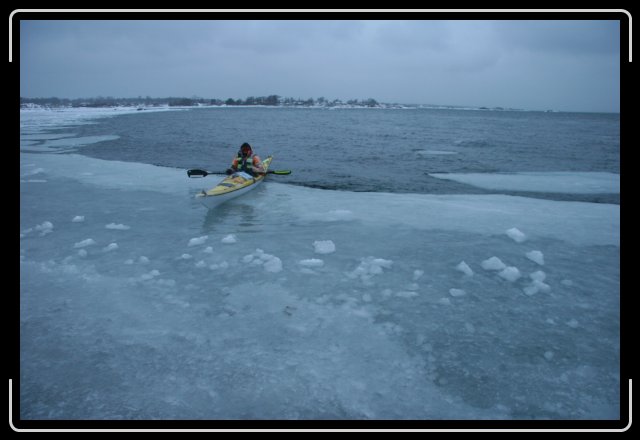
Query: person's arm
[
  {"x": 234, "y": 166},
  {"x": 257, "y": 165}
]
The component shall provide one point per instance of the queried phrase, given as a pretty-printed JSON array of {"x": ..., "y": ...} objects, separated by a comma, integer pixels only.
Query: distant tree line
[{"x": 271, "y": 100}]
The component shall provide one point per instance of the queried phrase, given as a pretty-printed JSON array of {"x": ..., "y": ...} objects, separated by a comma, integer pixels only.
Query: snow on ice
[
  {"x": 84, "y": 243},
  {"x": 196, "y": 241},
  {"x": 44, "y": 228},
  {"x": 324, "y": 247},
  {"x": 465, "y": 269},
  {"x": 536, "y": 256},
  {"x": 229, "y": 239},
  {"x": 117, "y": 226},
  {"x": 516, "y": 235},
  {"x": 493, "y": 263}
]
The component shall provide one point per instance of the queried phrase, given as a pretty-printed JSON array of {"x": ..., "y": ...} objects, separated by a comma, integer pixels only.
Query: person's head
[{"x": 245, "y": 150}]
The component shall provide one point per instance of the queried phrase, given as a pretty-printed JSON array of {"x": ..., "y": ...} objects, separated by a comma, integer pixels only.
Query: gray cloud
[
  {"x": 522, "y": 64},
  {"x": 571, "y": 38}
]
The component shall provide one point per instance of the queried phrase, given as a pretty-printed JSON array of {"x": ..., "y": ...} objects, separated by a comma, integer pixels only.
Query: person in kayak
[{"x": 246, "y": 161}]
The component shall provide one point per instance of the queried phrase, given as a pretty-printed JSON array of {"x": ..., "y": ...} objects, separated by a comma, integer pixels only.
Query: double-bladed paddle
[{"x": 202, "y": 173}]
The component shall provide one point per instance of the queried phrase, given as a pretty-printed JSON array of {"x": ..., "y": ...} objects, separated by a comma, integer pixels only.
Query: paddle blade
[
  {"x": 197, "y": 173},
  {"x": 281, "y": 172}
]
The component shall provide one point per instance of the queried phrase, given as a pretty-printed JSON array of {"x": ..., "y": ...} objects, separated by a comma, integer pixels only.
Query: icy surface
[
  {"x": 555, "y": 182},
  {"x": 300, "y": 303}
]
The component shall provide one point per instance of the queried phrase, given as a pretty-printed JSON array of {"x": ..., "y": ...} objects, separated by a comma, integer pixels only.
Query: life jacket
[{"x": 244, "y": 163}]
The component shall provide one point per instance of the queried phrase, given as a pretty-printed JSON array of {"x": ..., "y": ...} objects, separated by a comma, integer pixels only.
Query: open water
[{"x": 380, "y": 150}]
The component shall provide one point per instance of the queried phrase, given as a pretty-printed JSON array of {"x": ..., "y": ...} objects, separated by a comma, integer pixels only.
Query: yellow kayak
[{"x": 232, "y": 186}]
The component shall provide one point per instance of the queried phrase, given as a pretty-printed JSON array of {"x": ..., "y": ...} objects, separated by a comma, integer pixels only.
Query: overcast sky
[{"x": 533, "y": 65}]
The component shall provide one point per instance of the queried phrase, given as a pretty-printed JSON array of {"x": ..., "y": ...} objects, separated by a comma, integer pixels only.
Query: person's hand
[{"x": 229, "y": 171}]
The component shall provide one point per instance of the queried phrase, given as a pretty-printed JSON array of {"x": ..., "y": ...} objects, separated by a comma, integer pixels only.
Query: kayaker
[{"x": 246, "y": 161}]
